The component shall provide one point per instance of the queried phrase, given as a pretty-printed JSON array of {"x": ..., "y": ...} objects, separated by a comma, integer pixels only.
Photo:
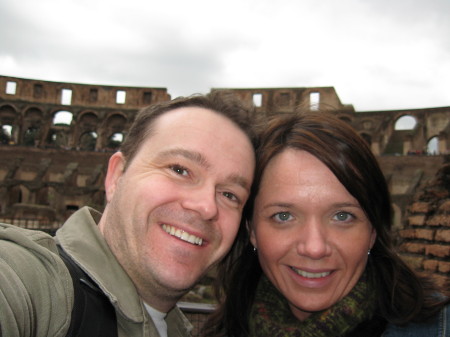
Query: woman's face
[{"x": 312, "y": 235}]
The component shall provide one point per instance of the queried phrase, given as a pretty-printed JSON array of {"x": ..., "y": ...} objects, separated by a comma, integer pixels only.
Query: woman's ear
[
  {"x": 373, "y": 237},
  {"x": 116, "y": 167}
]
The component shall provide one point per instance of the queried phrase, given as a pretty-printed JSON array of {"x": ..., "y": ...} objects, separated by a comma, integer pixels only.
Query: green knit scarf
[{"x": 271, "y": 316}]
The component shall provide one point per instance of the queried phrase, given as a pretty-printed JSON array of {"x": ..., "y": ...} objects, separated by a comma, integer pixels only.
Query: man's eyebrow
[
  {"x": 198, "y": 158},
  {"x": 240, "y": 180},
  {"x": 190, "y": 155}
]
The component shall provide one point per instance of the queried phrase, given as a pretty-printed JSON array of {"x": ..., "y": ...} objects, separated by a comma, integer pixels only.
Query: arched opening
[
  {"x": 62, "y": 118},
  {"x": 406, "y": 122},
  {"x": 88, "y": 140},
  {"x": 6, "y": 134},
  {"x": 433, "y": 145},
  {"x": 8, "y": 124},
  {"x": 30, "y": 136},
  {"x": 115, "y": 140},
  {"x": 57, "y": 138},
  {"x": 14, "y": 195}
]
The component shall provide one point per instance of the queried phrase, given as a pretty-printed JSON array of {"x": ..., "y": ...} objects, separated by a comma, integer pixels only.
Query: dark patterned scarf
[{"x": 272, "y": 317}]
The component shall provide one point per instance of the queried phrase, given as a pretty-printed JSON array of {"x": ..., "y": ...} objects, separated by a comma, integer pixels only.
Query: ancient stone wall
[
  {"x": 426, "y": 233},
  {"x": 88, "y": 117},
  {"x": 56, "y": 138}
]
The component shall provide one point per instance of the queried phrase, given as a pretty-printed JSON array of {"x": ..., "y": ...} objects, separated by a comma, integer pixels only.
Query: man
[{"x": 175, "y": 194}]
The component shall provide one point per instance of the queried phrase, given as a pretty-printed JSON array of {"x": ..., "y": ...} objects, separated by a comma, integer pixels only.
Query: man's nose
[{"x": 203, "y": 200}]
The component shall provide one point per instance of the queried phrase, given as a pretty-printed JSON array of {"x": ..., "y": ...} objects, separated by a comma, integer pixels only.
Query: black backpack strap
[{"x": 93, "y": 315}]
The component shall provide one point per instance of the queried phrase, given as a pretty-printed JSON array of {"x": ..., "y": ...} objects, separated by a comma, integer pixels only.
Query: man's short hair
[{"x": 223, "y": 102}]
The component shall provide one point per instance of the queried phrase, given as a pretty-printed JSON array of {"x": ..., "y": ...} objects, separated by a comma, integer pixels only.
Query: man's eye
[
  {"x": 180, "y": 170},
  {"x": 282, "y": 216},
  {"x": 230, "y": 196}
]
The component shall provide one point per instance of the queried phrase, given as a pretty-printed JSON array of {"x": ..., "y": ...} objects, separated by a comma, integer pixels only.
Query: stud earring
[
  {"x": 368, "y": 253},
  {"x": 254, "y": 249}
]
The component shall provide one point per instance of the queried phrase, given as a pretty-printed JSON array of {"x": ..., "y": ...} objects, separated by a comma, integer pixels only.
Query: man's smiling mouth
[{"x": 182, "y": 235}]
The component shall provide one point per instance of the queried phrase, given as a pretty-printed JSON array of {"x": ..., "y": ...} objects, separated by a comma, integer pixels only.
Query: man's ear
[
  {"x": 251, "y": 233},
  {"x": 116, "y": 166}
]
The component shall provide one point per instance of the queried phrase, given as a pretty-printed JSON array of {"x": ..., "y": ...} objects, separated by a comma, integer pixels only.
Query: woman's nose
[{"x": 313, "y": 241}]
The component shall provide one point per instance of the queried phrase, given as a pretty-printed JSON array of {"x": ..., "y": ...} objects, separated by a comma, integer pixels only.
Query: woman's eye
[
  {"x": 343, "y": 216},
  {"x": 282, "y": 216},
  {"x": 180, "y": 170}
]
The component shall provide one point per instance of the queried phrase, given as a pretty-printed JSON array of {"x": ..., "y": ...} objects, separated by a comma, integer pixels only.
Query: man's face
[{"x": 175, "y": 211}]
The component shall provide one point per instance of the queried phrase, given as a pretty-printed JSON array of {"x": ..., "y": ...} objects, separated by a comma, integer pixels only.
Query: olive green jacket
[{"x": 36, "y": 292}]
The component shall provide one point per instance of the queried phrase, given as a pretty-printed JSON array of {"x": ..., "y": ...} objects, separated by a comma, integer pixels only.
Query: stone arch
[
  {"x": 115, "y": 140},
  {"x": 88, "y": 119},
  {"x": 15, "y": 195},
  {"x": 88, "y": 141},
  {"x": 405, "y": 122},
  {"x": 57, "y": 138},
  {"x": 6, "y": 134},
  {"x": 9, "y": 124},
  {"x": 437, "y": 123},
  {"x": 62, "y": 118},
  {"x": 59, "y": 132},
  {"x": 46, "y": 196},
  {"x": 18, "y": 194},
  {"x": 32, "y": 126},
  {"x": 114, "y": 125},
  {"x": 88, "y": 122},
  {"x": 433, "y": 145}
]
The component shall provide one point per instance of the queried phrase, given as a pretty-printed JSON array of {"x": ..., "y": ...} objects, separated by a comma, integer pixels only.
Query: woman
[{"x": 318, "y": 259}]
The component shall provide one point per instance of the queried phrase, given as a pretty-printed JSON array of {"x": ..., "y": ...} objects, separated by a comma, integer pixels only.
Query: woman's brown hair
[{"x": 403, "y": 296}]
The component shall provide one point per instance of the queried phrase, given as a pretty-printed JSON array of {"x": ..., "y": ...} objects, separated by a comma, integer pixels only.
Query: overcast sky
[{"x": 378, "y": 54}]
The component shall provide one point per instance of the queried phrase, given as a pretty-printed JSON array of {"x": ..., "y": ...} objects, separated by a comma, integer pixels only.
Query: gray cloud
[{"x": 379, "y": 54}]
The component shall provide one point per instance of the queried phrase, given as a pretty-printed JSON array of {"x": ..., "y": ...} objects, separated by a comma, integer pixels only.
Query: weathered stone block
[
  {"x": 411, "y": 247},
  {"x": 441, "y": 281},
  {"x": 443, "y": 235},
  {"x": 415, "y": 262},
  {"x": 444, "y": 267},
  {"x": 425, "y": 234},
  {"x": 407, "y": 233},
  {"x": 445, "y": 207},
  {"x": 416, "y": 220},
  {"x": 439, "y": 220},
  {"x": 420, "y": 207},
  {"x": 437, "y": 250},
  {"x": 430, "y": 265}
]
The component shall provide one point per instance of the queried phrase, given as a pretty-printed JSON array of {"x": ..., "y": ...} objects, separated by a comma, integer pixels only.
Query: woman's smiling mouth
[{"x": 309, "y": 274}]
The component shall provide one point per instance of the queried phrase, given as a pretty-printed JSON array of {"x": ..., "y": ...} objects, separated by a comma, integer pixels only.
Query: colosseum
[{"x": 56, "y": 138}]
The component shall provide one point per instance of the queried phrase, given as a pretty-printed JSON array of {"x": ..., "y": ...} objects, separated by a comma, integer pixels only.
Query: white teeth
[
  {"x": 310, "y": 275},
  {"x": 185, "y": 236}
]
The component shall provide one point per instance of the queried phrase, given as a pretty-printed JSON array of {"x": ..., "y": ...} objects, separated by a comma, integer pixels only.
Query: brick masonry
[{"x": 425, "y": 238}]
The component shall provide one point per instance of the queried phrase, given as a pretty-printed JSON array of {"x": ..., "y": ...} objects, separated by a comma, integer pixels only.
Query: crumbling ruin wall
[
  {"x": 426, "y": 234},
  {"x": 51, "y": 167}
]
